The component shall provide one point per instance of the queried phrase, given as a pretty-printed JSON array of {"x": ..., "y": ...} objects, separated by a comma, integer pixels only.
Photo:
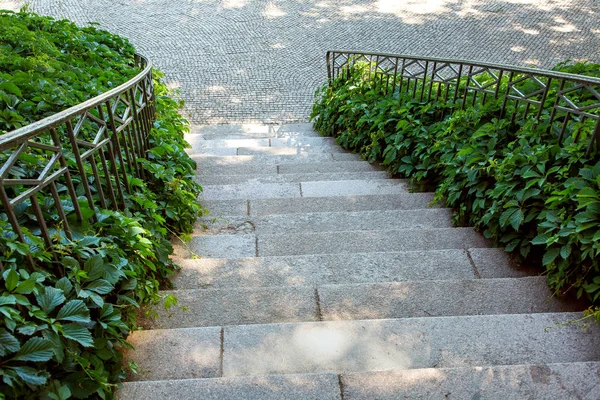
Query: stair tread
[{"x": 292, "y": 177}]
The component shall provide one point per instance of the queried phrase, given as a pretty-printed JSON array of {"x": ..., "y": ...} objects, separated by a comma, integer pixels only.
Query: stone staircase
[{"x": 318, "y": 277}]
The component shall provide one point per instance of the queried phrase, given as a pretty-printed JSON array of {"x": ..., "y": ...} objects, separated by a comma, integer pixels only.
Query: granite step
[
  {"x": 254, "y": 131},
  {"x": 240, "y": 167},
  {"x": 201, "y": 143},
  {"x": 298, "y": 205},
  {"x": 243, "y": 306},
  {"x": 367, "y": 241},
  {"x": 363, "y": 345},
  {"x": 266, "y": 150},
  {"x": 252, "y": 191},
  {"x": 555, "y": 381},
  {"x": 206, "y": 180},
  {"x": 351, "y": 268},
  {"x": 266, "y": 159},
  {"x": 326, "y": 222}
]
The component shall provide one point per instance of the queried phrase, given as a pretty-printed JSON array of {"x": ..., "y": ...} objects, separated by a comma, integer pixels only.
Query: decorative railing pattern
[
  {"x": 566, "y": 98},
  {"x": 84, "y": 153}
]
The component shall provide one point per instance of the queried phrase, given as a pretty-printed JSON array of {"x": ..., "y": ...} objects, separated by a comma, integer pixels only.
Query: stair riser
[
  {"x": 210, "y": 169},
  {"x": 287, "y": 178}
]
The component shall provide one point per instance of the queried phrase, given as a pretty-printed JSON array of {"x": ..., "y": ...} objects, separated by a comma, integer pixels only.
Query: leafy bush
[
  {"x": 509, "y": 178},
  {"x": 63, "y": 324}
]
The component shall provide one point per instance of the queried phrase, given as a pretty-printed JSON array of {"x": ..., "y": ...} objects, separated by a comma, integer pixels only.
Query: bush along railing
[
  {"x": 89, "y": 199},
  {"x": 514, "y": 151}
]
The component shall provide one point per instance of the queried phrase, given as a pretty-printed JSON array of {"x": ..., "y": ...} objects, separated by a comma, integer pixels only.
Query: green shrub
[
  {"x": 63, "y": 324},
  {"x": 509, "y": 178}
]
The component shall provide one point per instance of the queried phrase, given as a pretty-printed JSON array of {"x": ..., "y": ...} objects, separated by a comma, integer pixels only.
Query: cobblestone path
[{"x": 261, "y": 60}]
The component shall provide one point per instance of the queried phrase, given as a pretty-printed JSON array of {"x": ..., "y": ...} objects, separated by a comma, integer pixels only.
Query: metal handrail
[
  {"x": 530, "y": 91},
  {"x": 97, "y": 144}
]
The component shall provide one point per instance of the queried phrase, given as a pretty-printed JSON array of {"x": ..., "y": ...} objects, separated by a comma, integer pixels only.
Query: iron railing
[
  {"x": 86, "y": 153},
  {"x": 566, "y": 98}
]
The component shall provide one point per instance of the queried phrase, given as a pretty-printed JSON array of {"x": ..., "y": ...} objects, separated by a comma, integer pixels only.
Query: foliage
[
  {"x": 63, "y": 324},
  {"x": 512, "y": 179}
]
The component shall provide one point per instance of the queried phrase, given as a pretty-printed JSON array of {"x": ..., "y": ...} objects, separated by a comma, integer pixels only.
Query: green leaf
[
  {"x": 74, "y": 310},
  {"x": 25, "y": 287},
  {"x": 50, "y": 299},
  {"x": 8, "y": 343},
  {"x": 550, "y": 255},
  {"x": 540, "y": 239},
  {"x": 8, "y": 300},
  {"x": 94, "y": 267},
  {"x": 516, "y": 219},
  {"x": 31, "y": 376},
  {"x": 35, "y": 349},
  {"x": 100, "y": 286},
  {"x": 65, "y": 285},
  {"x": 11, "y": 280},
  {"x": 12, "y": 88},
  {"x": 79, "y": 333}
]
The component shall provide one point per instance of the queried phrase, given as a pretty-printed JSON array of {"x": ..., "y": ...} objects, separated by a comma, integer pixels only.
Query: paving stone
[
  {"x": 210, "y": 169},
  {"x": 323, "y": 269},
  {"x": 218, "y": 208},
  {"x": 286, "y": 178},
  {"x": 251, "y": 62},
  {"x": 329, "y": 221},
  {"x": 302, "y": 141},
  {"x": 496, "y": 263},
  {"x": 175, "y": 354},
  {"x": 339, "y": 166},
  {"x": 354, "y": 188},
  {"x": 504, "y": 382},
  {"x": 398, "y": 344},
  {"x": 440, "y": 298},
  {"x": 205, "y": 172},
  {"x": 248, "y": 191},
  {"x": 238, "y": 306},
  {"x": 256, "y": 131},
  {"x": 368, "y": 241},
  {"x": 399, "y": 201},
  {"x": 201, "y": 143},
  {"x": 274, "y": 387},
  {"x": 218, "y": 151}
]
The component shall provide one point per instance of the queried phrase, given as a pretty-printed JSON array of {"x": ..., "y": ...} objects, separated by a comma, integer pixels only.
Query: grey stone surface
[
  {"x": 222, "y": 246},
  {"x": 354, "y": 188},
  {"x": 237, "y": 306},
  {"x": 257, "y": 131},
  {"x": 323, "y": 269},
  {"x": 209, "y": 170},
  {"x": 287, "y": 178},
  {"x": 218, "y": 208},
  {"x": 302, "y": 141},
  {"x": 198, "y": 142},
  {"x": 339, "y": 166},
  {"x": 239, "y": 61},
  {"x": 331, "y": 221},
  {"x": 262, "y": 159},
  {"x": 248, "y": 191},
  {"x": 399, "y": 201},
  {"x": 274, "y": 387},
  {"x": 398, "y": 344},
  {"x": 510, "y": 382},
  {"x": 214, "y": 151},
  {"x": 368, "y": 241},
  {"x": 440, "y": 298},
  {"x": 175, "y": 354},
  {"x": 494, "y": 263},
  {"x": 284, "y": 151},
  {"x": 241, "y": 167}
]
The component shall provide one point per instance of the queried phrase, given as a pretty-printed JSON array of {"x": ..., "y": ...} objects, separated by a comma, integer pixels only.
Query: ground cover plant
[
  {"x": 63, "y": 323},
  {"x": 508, "y": 177}
]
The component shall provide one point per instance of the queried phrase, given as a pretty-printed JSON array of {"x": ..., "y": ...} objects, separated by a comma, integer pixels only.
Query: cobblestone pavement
[{"x": 261, "y": 60}]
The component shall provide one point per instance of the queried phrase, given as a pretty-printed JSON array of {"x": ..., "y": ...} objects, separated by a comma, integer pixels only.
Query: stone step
[
  {"x": 287, "y": 178},
  {"x": 556, "y": 381},
  {"x": 265, "y": 150},
  {"x": 399, "y": 201},
  {"x": 266, "y": 159},
  {"x": 201, "y": 143},
  {"x": 327, "y": 222},
  {"x": 368, "y": 241},
  {"x": 252, "y": 191},
  {"x": 206, "y": 170},
  {"x": 349, "y": 268},
  {"x": 363, "y": 346},
  {"x": 273, "y": 387},
  {"x": 255, "y": 131},
  {"x": 242, "y": 306}
]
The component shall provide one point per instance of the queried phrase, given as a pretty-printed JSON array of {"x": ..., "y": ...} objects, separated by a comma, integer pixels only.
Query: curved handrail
[
  {"x": 98, "y": 144},
  {"x": 566, "y": 98},
  {"x": 24, "y": 133}
]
